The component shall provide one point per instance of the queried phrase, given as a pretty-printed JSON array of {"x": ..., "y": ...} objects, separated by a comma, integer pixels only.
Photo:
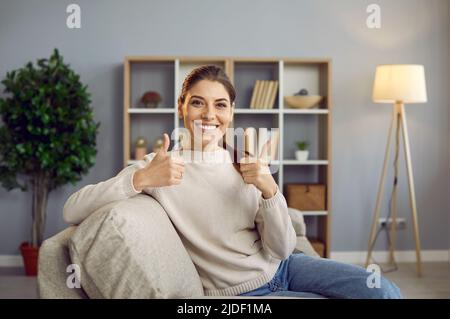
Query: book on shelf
[
  {"x": 273, "y": 94},
  {"x": 264, "y": 94},
  {"x": 260, "y": 96},
  {"x": 265, "y": 97},
  {"x": 255, "y": 94},
  {"x": 266, "y": 104}
]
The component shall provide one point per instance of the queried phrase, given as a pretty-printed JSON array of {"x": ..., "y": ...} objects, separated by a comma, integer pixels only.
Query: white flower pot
[{"x": 301, "y": 155}]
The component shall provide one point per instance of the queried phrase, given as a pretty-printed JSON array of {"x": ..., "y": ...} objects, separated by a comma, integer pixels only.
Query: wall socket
[{"x": 401, "y": 223}]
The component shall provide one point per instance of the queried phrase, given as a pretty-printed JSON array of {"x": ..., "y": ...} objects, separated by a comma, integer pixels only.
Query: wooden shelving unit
[{"x": 165, "y": 74}]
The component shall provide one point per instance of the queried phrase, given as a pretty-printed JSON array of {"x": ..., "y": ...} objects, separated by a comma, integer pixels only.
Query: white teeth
[{"x": 207, "y": 127}]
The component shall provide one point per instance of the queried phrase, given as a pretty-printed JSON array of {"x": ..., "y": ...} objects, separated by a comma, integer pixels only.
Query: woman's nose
[{"x": 209, "y": 113}]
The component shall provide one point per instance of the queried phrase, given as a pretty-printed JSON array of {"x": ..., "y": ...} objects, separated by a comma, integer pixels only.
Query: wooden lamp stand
[{"x": 398, "y": 84}]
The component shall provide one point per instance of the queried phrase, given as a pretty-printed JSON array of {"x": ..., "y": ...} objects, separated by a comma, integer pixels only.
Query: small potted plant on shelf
[
  {"x": 48, "y": 138},
  {"x": 301, "y": 154}
]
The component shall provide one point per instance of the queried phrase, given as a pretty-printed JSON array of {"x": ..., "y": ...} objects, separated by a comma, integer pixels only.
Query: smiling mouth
[{"x": 206, "y": 127}]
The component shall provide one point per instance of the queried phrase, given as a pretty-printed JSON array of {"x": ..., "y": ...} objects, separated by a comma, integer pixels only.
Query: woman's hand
[
  {"x": 163, "y": 170},
  {"x": 255, "y": 170}
]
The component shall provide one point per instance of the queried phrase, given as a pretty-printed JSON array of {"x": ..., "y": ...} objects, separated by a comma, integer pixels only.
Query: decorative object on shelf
[
  {"x": 302, "y": 153},
  {"x": 157, "y": 144},
  {"x": 302, "y": 100},
  {"x": 45, "y": 110},
  {"x": 264, "y": 94},
  {"x": 397, "y": 84},
  {"x": 302, "y": 92},
  {"x": 151, "y": 99},
  {"x": 306, "y": 197},
  {"x": 140, "y": 149}
]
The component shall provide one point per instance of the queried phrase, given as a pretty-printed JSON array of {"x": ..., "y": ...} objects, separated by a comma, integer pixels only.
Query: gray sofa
[{"x": 126, "y": 249}]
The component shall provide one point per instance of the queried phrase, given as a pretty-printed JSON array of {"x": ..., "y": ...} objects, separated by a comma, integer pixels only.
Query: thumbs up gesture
[
  {"x": 255, "y": 170},
  {"x": 163, "y": 170}
]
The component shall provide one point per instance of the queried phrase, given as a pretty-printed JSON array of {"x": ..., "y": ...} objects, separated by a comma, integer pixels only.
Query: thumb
[{"x": 165, "y": 147}]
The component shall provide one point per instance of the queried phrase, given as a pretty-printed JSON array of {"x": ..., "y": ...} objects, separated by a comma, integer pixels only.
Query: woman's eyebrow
[{"x": 202, "y": 98}]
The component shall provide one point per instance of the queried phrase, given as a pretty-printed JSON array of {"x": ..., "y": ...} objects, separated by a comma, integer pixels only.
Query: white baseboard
[
  {"x": 359, "y": 257},
  {"x": 11, "y": 261},
  {"x": 354, "y": 257}
]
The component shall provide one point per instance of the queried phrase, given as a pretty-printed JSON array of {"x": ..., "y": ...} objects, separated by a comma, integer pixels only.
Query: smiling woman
[
  {"x": 233, "y": 221},
  {"x": 206, "y": 104}
]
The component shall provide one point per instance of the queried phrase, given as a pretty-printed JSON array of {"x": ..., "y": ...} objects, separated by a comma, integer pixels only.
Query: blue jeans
[{"x": 312, "y": 277}]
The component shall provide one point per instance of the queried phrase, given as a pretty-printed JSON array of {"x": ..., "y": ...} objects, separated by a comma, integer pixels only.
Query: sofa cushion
[
  {"x": 130, "y": 249},
  {"x": 297, "y": 221},
  {"x": 52, "y": 268}
]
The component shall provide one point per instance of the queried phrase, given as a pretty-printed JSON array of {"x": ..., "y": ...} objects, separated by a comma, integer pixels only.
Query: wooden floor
[
  {"x": 15, "y": 285},
  {"x": 435, "y": 282}
]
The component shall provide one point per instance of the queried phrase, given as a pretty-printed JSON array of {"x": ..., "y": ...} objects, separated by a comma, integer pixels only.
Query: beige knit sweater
[{"x": 235, "y": 237}]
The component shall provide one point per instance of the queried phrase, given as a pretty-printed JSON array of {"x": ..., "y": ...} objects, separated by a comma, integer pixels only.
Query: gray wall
[{"x": 413, "y": 31}]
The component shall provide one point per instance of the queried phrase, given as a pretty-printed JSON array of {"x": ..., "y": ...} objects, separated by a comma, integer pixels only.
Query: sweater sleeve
[
  {"x": 275, "y": 226},
  {"x": 91, "y": 197}
]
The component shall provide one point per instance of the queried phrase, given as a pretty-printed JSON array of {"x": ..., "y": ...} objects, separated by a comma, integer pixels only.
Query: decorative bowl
[{"x": 302, "y": 101}]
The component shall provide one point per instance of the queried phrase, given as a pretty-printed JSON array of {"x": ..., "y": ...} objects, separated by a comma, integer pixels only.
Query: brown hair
[
  {"x": 211, "y": 73},
  {"x": 206, "y": 72}
]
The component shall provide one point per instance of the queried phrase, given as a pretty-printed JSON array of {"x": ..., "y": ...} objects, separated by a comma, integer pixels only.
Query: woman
[{"x": 231, "y": 217}]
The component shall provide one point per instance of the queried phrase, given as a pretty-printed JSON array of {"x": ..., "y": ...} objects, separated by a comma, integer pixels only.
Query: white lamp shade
[{"x": 403, "y": 83}]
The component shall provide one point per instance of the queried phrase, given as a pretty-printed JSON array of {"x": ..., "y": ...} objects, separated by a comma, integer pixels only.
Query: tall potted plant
[{"x": 47, "y": 137}]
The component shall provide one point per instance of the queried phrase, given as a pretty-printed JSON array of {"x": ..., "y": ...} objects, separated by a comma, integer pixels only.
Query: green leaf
[{"x": 46, "y": 123}]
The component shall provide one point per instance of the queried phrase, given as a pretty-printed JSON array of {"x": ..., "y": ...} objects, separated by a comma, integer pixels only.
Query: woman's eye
[
  {"x": 221, "y": 105},
  {"x": 196, "y": 102}
]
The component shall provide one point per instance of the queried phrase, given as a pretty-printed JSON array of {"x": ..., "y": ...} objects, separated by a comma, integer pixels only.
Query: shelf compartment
[
  {"x": 313, "y": 129},
  {"x": 263, "y": 125},
  {"x": 151, "y": 128},
  {"x": 319, "y": 245},
  {"x": 319, "y": 231},
  {"x": 156, "y": 76},
  {"x": 309, "y": 174},
  {"x": 305, "y": 75},
  {"x": 245, "y": 75}
]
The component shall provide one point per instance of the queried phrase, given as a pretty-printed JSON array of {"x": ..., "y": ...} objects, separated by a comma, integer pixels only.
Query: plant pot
[
  {"x": 301, "y": 155},
  {"x": 30, "y": 258}
]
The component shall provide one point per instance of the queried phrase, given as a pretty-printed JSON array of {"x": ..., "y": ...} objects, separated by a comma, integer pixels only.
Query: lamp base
[{"x": 398, "y": 122}]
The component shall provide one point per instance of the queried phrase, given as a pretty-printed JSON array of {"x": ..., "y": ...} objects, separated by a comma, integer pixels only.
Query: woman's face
[{"x": 208, "y": 112}]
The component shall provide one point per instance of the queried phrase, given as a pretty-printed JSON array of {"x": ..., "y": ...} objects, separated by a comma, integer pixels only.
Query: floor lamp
[{"x": 398, "y": 84}]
